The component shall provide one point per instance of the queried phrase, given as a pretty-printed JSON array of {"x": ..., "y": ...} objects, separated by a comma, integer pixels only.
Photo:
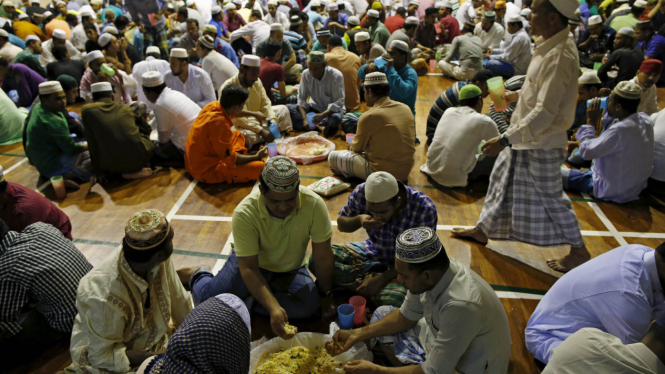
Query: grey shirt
[{"x": 470, "y": 51}]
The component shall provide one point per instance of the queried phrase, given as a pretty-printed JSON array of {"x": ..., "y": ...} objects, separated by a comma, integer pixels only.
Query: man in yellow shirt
[{"x": 272, "y": 228}]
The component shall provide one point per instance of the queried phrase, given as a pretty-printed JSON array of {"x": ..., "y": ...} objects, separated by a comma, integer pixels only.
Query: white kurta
[
  {"x": 174, "y": 115},
  {"x": 150, "y": 64},
  {"x": 219, "y": 67},
  {"x": 198, "y": 86},
  {"x": 257, "y": 31},
  {"x": 492, "y": 38},
  {"x": 47, "y": 56}
]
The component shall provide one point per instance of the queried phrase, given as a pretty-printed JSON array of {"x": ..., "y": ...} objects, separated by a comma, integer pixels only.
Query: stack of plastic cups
[
  {"x": 272, "y": 150},
  {"x": 346, "y": 313},
  {"x": 495, "y": 86}
]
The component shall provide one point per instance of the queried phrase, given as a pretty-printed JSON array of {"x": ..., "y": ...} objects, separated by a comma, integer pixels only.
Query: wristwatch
[{"x": 503, "y": 140}]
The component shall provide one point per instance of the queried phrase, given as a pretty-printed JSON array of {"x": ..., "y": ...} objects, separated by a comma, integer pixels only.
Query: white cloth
[
  {"x": 649, "y": 100},
  {"x": 455, "y": 72},
  {"x": 78, "y": 37},
  {"x": 465, "y": 13},
  {"x": 9, "y": 51},
  {"x": 590, "y": 350},
  {"x": 219, "y": 67},
  {"x": 658, "y": 120},
  {"x": 453, "y": 152},
  {"x": 257, "y": 31},
  {"x": 516, "y": 52},
  {"x": 150, "y": 64},
  {"x": 47, "y": 56},
  {"x": 491, "y": 39},
  {"x": 174, "y": 115},
  {"x": 205, "y": 8},
  {"x": 279, "y": 18},
  {"x": 198, "y": 86}
]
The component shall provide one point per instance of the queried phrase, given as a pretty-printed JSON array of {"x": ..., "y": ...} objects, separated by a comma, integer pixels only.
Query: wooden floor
[{"x": 201, "y": 216}]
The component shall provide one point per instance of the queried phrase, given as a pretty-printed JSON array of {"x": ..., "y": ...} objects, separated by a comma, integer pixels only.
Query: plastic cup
[
  {"x": 58, "y": 185},
  {"x": 495, "y": 86},
  {"x": 310, "y": 119},
  {"x": 358, "y": 303},
  {"x": 603, "y": 102},
  {"x": 274, "y": 130},
  {"x": 272, "y": 149},
  {"x": 380, "y": 62},
  {"x": 107, "y": 70},
  {"x": 349, "y": 138},
  {"x": 432, "y": 65},
  {"x": 346, "y": 312}
]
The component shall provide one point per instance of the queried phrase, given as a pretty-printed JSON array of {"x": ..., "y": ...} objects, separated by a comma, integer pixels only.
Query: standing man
[
  {"x": 467, "y": 12},
  {"x": 194, "y": 82},
  {"x": 525, "y": 200}
]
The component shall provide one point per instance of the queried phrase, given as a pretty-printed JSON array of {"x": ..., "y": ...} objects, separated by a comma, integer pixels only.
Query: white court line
[
  {"x": 15, "y": 165},
  {"x": 606, "y": 221},
  {"x": 517, "y": 295},
  {"x": 181, "y": 200},
  {"x": 42, "y": 187},
  {"x": 201, "y": 218}
]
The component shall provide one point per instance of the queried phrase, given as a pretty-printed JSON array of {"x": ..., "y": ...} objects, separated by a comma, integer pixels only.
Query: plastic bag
[
  {"x": 329, "y": 186},
  {"x": 309, "y": 340},
  {"x": 326, "y": 146}
]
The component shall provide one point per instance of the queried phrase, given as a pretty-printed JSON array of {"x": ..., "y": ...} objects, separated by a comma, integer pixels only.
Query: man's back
[
  {"x": 74, "y": 68},
  {"x": 470, "y": 49},
  {"x": 175, "y": 113},
  {"x": 219, "y": 67},
  {"x": 394, "y": 23},
  {"x": 348, "y": 64},
  {"x": 399, "y": 35}
]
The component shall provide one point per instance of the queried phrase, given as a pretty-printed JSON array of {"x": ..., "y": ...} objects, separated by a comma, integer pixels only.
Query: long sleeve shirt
[
  {"x": 174, "y": 115},
  {"x": 658, "y": 146},
  {"x": 546, "y": 107},
  {"x": 46, "y": 56},
  {"x": 465, "y": 13},
  {"x": 219, "y": 67},
  {"x": 257, "y": 31},
  {"x": 198, "y": 86},
  {"x": 25, "y": 81},
  {"x": 379, "y": 34},
  {"x": 258, "y": 100},
  {"x": 403, "y": 84},
  {"x": 470, "y": 51},
  {"x": 517, "y": 52},
  {"x": 78, "y": 37},
  {"x": 649, "y": 99},
  {"x": 627, "y": 60},
  {"x": 324, "y": 94},
  {"x": 150, "y": 64},
  {"x": 622, "y": 156},
  {"x": 280, "y": 18},
  {"x": 492, "y": 38},
  {"x": 122, "y": 85}
]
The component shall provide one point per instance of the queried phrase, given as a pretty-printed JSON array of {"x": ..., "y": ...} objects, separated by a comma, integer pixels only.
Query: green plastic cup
[
  {"x": 496, "y": 82},
  {"x": 107, "y": 70}
]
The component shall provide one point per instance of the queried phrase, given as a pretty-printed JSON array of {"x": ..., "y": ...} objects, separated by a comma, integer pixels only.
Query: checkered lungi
[
  {"x": 525, "y": 200},
  {"x": 408, "y": 348}
]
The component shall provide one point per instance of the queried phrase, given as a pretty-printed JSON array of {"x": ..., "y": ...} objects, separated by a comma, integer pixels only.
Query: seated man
[
  {"x": 272, "y": 72},
  {"x": 450, "y": 98},
  {"x": 651, "y": 44},
  {"x": 350, "y": 34},
  {"x": 588, "y": 87},
  {"x": 64, "y": 65},
  {"x": 322, "y": 38},
  {"x": 377, "y": 30},
  {"x": 49, "y": 145},
  {"x": 322, "y": 92},
  {"x": 619, "y": 292},
  {"x": 41, "y": 270},
  {"x": 256, "y": 30},
  {"x": 624, "y": 62},
  {"x": 12, "y": 120},
  {"x": 194, "y": 82},
  {"x": 214, "y": 152},
  {"x": 122, "y": 83},
  {"x": 174, "y": 115},
  {"x": 450, "y": 314},
  {"x": 133, "y": 284},
  {"x": 221, "y": 46},
  {"x": 426, "y": 35},
  {"x": 28, "y": 56},
  {"x": 385, "y": 137},
  {"x": 118, "y": 137},
  {"x": 59, "y": 37},
  {"x": 452, "y": 158},
  {"x": 383, "y": 207},
  {"x": 336, "y": 22},
  {"x": 515, "y": 57},
  {"x": 217, "y": 66},
  {"x": 299, "y": 38},
  {"x": 114, "y": 52},
  {"x": 258, "y": 113},
  {"x": 22, "y": 79},
  {"x": 272, "y": 228},
  {"x": 646, "y": 78},
  {"x": 367, "y": 50},
  {"x": 153, "y": 62},
  {"x": 468, "y": 49},
  {"x": 348, "y": 64},
  {"x": 622, "y": 153},
  {"x": 288, "y": 60},
  {"x": 489, "y": 32},
  {"x": 594, "y": 48},
  {"x": 217, "y": 21}
]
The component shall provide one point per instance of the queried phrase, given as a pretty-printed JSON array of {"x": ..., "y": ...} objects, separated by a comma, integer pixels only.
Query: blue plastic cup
[
  {"x": 380, "y": 62},
  {"x": 272, "y": 149},
  {"x": 603, "y": 102},
  {"x": 346, "y": 312},
  {"x": 310, "y": 119},
  {"x": 274, "y": 130}
]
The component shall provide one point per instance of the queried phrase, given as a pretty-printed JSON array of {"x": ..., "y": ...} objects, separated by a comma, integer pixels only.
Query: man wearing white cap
[
  {"x": 407, "y": 32},
  {"x": 349, "y": 36},
  {"x": 59, "y": 37},
  {"x": 631, "y": 19},
  {"x": 377, "y": 30},
  {"x": 78, "y": 37},
  {"x": 115, "y": 52},
  {"x": 624, "y": 62},
  {"x": 336, "y": 22},
  {"x": 219, "y": 67},
  {"x": 194, "y": 82},
  {"x": 7, "y": 50},
  {"x": 322, "y": 38},
  {"x": 123, "y": 84},
  {"x": 515, "y": 56},
  {"x": 7, "y": 9},
  {"x": 274, "y": 16},
  {"x": 22, "y": 79},
  {"x": 525, "y": 201},
  {"x": 232, "y": 20},
  {"x": 367, "y": 50},
  {"x": 467, "y": 12},
  {"x": 489, "y": 32},
  {"x": 588, "y": 87},
  {"x": 258, "y": 105},
  {"x": 450, "y": 27},
  {"x": 48, "y": 143},
  {"x": 602, "y": 41},
  {"x": 118, "y": 136},
  {"x": 470, "y": 51},
  {"x": 256, "y": 30},
  {"x": 217, "y": 20},
  {"x": 221, "y": 46},
  {"x": 152, "y": 63},
  {"x": 315, "y": 8},
  {"x": 288, "y": 60}
]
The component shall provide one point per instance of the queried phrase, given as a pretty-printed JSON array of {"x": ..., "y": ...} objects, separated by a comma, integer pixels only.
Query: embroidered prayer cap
[
  {"x": 513, "y": 18},
  {"x": 447, "y": 4},
  {"x": 104, "y": 39},
  {"x": 94, "y": 55},
  {"x": 276, "y": 27},
  {"x": 207, "y": 42},
  {"x": 354, "y": 21},
  {"x": 67, "y": 82},
  {"x": 314, "y": 4},
  {"x": 281, "y": 173},
  {"x": 250, "y": 60},
  {"x": 380, "y": 186},
  {"x": 316, "y": 56},
  {"x": 400, "y": 45},
  {"x": 372, "y": 79},
  {"x": 22, "y": 16},
  {"x": 59, "y": 34},
  {"x": 33, "y": 2},
  {"x": 469, "y": 92},
  {"x": 321, "y": 33},
  {"x": 628, "y": 90},
  {"x": 514, "y": 83},
  {"x": 295, "y": 20},
  {"x": 111, "y": 30},
  {"x": 566, "y": 7},
  {"x": 651, "y": 66},
  {"x": 229, "y": 6},
  {"x": 417, "y": 245},
  {"x": 32, "y": 37},
  {"x": 361, "y": 36},
  {"x": 411, "y": 21},
  {"x": 154, "y": 49},
  {"x": 501, "y": 4},
  {"x": 373, "y": 13},
  {"x": 210, "y": 28},
  {"x": 216, "y": 9},
  {"x": 49, "y": 87},
  {"x": 101, "y": 87},
  {"x": 628, "y": 31},
  {"x": 146, "y": 229},
  {"x": 640, "y": 4},
  {"x": 179, "y": 53},
  {"x": 489, "y": 15},
  {"x": 152, "y": 79},
  {"x": 332, "y": 7},
  {"x": 595, "y": 20},
  {"x": 590, "y": 77},
  {"x": 376, "y": 6}
]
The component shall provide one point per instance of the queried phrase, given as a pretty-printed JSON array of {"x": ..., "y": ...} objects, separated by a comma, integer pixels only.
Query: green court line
[{"x": 12, "y": 155}]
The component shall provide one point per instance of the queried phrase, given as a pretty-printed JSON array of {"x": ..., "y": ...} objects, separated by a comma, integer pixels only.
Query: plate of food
[{"x": 306, "y": 148}]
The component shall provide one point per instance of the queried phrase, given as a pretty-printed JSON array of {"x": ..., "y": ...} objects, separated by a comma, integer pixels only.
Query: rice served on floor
[{"x": 298, "y": 360}]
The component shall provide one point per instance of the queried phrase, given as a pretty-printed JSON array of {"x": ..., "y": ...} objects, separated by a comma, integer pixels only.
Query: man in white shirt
[
  {"x": 526, "y": 201},
  {"x": 77, "y": 36},
  {"x": 453, "y": 156},
  {"x": 489, "y": 32},
  {"x": 467, "y": 12},
  {"x": 59, "y": 37},
  {"x": 188, "y": 79},
  {"x": 274, "y": 16},
  {"x": 646, "y": 78},
  {"x": 174, "y": 115},
  {"x": 515, "y": 57},
  {"x": 152, "y": 63},
  {"x": 219, "y": 67},
  {"x": 450, "y": 313},
  {"x": 256, "y": 29},
  {"x": 7, "y": 50}
]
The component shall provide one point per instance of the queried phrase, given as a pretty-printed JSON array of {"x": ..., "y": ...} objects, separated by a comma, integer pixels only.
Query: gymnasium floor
[{"x": 201, "y": 215}]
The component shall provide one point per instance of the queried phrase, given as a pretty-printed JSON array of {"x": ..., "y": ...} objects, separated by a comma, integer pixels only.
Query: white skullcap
[
  {"x": 210, "y": 28},
  {"x": 273, "y": 2},
  {"x": 8, "y": 3},
  {"x": 566, "y": 7},
  {"x": 179, "y": 53},
  {"x": 375, "y": 78},
  {"x": 59, "y": 2},
  {"x": 96, "y": 2},
  {"x": 414, "y": 2},
  {"x": 251, "y": 60},
  {"x": 23, "y": 16},
  {"x": 47, "y": 14},
  {"x": 314, "y": 4},
  {"x": 111, "y": 30},
  {"x": 229, "y": 6},
  {"x": 104, "y": 39},
  {"x": 180, "y": 4},
  {"x": 361, "y": 36},
  {"x": 4, "y": 33},
  {"x": 237, "y": 2},
  {"x": 32, "y": 37},
  {"x": 595, "y": 20},
  {"x": 447, "y": 4},
  {"x": 50, "y": 87},
  {"x": 640, "y": 4},
  {"x": 380, "y": 186},
  {"x": 514, "y": 18},
  {"x": 411, "y": 21},
  {"x": 276, "y": 27},
  {"x": 34, "y": 2},
  {"x": 590, "y": 77},
  {"x": 152, "y": 79},
  {"x": 353, "y": 20},
  {"x": 59, "y": 34},
  {"x": 627, "y": 31},
  {"x": 87, "y": 13},
  {"x": 401, "y": 45},
  {"x": 216, "y": 9},
  {"x": 628, "y": 90},
  {"x": 94, "y": 55},
  {"x": 438, "y": 4},
  {"x": 373, "y": 13},
  {"x": 101, "y": 87},
  {"x": 153, "y": 49},
  {"x": 525, "y": 12},
  {"x": 332, "y": 6}
]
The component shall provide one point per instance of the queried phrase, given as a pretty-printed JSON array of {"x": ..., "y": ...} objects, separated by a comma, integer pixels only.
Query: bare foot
[
  {"x": 575, "y": 258},
  {"x": 473, "y": 234},
  {"x": 184, "y": 274},
  {"x": 71, "y": 185}
]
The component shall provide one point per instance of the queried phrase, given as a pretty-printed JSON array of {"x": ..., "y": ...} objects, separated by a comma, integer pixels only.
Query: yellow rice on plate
[{"x": 298, "y": 360}]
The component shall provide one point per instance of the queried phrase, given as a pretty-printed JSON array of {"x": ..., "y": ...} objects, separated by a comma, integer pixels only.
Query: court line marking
[
  {"x": 42, "y": 187},
  {"x": 182, "y": 199},
  {"x": 15, "y": 166},
  {"x": 606, "y": 221},
  {"x": 226, "y": 250}
]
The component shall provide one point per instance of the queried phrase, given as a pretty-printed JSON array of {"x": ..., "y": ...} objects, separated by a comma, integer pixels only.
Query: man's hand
[
  {"x": 278, "y": 319},
  {"x": 262, "y": 153},
  {"x": 389, "y": 61},
  {"x": 361, "y": 367},
  {"x": 342, "y": 341},
  {"x": 328, "y": 308},
  {"x": 511, "y": 96},
  {"x": 371, "y": 285},
  {"x": 369, "y": 223},
  {"x": 492, "y": 147},
  {"x": 267, "y": 135},
  {"x": 318, "y": 117},
  {"x": 259, "y": 116},
  {"x": 593, "y": 112}
]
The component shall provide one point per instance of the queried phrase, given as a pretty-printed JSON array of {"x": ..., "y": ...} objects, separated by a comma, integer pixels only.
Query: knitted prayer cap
[
  {"x": 628, "y": 90},
  {"x": 375, "y": 78},
  {"x": 595, "y": 20},
  {"x": 94, "y": 55},
  {"x": 316, "y": 56},
  {"x": 281, "y": 174},
  {"x": 101, "y": 87},
  {"x": 147, "y": 229},
  {"x": 489, "y": 15},
  {"x": 152, "y": 79},
  {"x": 332, "y": 7},
  {"x": 411, "y": 21},
  {"x": 229, "y": 6},
  {"x": 321, "y": 33},
  {"x": 210, "y": 28},
  {"x": 418, "y": 245},
  {"x": 49, "y": 87},
  {"x": 640, "y": 4},
  {"x": 651, "y": 66},
  {"x": 469, "y": 92},
  {"x": 23, "y": 16},
  {"x": 67, "y": 82},
  {"x": 104, "y": 39}
]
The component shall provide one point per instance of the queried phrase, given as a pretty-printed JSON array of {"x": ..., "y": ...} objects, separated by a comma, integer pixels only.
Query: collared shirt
[
  {"x": 25, "y": 81},
  {"x": 24, "y": 28},
  {"x": 254, "y": 230},
  {"x": 122, "y": 84},
  {"x": 150, "y": 64},
  {"x": 342, "y": 19},
  {"x": 280, "y": 18},
  {"x": 46, "y": 56},
  {"x": 470, "y": 51},
  {"x": 233, "y": 25},
  {"x": 386, "y": 135},
  {"x": 649, "y": 99},
  {"x": 628, "y": 62},
  {"x": 463, "y": 319},
  {"x": 258, "y": 100},
  {"x": 219, "y": 67},
  {"x": 221, "y": 31},
  {"x": 187, "y": 42},
  {"x": 379, "y": 33},
  {"x": 465, "y": 13},
  {"x": 348, "y": 64},
  {"x": 324, "y": 94},
  {"x": 622, "y": 298},
  {"x": 257, "y": 31},
  {"x": 622, "y": 156},
  {"x": 546, "y": 107},
  {"x": 40, "y": 266},
  {"x": 449, "y": 23},
  {"x": 403, "y": 84},
  {"x": 659, "y": 146},
  {"x": 224, "y": 48},
  {"x": 113, "y": 318},
  {"x": 198, "y": 86},
  {"x": 590, "y": 350},
  {"x": 297, "y": 41},
  {"x": 175, "y": 113},
  {"x": 517, "y": 52},
  {"x": 492, "y": 38},
  {"x": 425, "y": 35},
  {"x": 418, "y": 210}
]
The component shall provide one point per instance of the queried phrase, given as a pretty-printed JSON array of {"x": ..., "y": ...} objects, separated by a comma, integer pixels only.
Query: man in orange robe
[{"x": 214, "y": 153}]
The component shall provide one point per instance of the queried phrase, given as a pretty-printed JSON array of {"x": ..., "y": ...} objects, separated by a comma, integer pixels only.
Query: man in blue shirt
[
  {"x": 651, "y": 44},
  {"x": 336, "y": 22},
  {"x": 116, "y": 10},
  {"x": 221, "y": 46},
  {"x": 313, "y": 14},
  {"x": 216, "y": 20}
]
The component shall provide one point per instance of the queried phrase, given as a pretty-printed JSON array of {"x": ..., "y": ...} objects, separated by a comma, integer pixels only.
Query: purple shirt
[
  {"x": 342, "y": 19},
  {"x": 654, "y": 48},
  {"x": 25, "y": 81}
]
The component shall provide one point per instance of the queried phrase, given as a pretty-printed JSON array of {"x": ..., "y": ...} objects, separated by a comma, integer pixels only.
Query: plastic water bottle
[{"x": 607, "y": 55}]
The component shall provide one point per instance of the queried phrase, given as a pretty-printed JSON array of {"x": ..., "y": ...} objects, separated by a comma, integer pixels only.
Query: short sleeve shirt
[
  {"x": 271, "y": 72},
  {"x": 287, "y": 50}
]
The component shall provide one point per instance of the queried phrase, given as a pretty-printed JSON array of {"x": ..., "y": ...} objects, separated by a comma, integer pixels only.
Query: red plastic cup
[{"x": 358, "y": 303}]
